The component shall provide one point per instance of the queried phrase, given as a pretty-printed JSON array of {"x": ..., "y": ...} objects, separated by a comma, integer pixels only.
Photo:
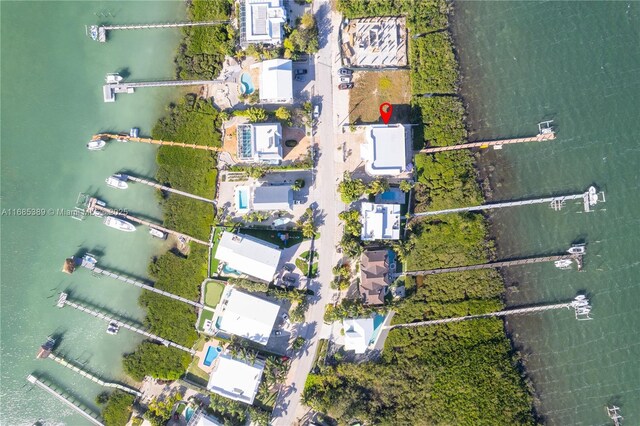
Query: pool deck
[{"x": 201, "y": 355}]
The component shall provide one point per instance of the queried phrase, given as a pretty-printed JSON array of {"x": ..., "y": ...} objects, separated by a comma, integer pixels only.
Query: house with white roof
[
  {"x": 236, "y": 379},
  {"x": 276, "y": 81},
  {"x": 245, "y": 315},
  {"x": 272, "y": 197},
  {"x": 249, "y": 255},
  {"x": 358, "y": 333},
  {"x": 385, "y": 150},
  {"x": 260, "y": 143},
  {"x": 380, "y": 221},
  {"x": 261, "y": 21}
]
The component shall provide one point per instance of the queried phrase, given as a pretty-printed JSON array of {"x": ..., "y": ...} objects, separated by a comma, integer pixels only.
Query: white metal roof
[
  {"x": 385, "y": 150},
  {"x": 247, "y": 316},
  {"x": 248, "y": 255},
  {"x": 380, "y": 221},
  {"x": 263, "y": 21},
  {"x": 235, "y": 379},
  {"x": 269, "y": 198},
  {"x": 276, "y": 81},
  {"x": 357, "y": 334},
  {"x": 267, "y": 142}
]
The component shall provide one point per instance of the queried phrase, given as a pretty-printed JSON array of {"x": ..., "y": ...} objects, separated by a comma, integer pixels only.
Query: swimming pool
[
  {"x": 377, "y": 322},
  {"x": 388, "y": 195},
  {"x": 228, "y": 270},
  {"x": 189, "y": 411},
  {"x": 246, "y": 85},
  {"x": 212, "y": 353}
]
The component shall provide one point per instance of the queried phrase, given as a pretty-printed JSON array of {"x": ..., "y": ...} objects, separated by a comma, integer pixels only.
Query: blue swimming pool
[
  {"x": 231, "y": 271},
  {"x": 212, "y": 353},
  {"x": 189, "y": 411},
  {"x": 246, "y": 84},
  {"x": 388, "y": 195},
  {"x": 377, "y": 322},
  {"x": 243, "y": 198}
]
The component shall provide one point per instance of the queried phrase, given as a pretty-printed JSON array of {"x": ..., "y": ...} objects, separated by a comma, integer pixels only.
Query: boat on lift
[
  {"x": 113, "y": 328},
  {"x": 119, "y": 224},
  {"x": 134, "y": 132},
  {"x": 113, "y": 78},
  {"x": 563, "y": 263},
  {"x": 579, "y": 249},
  {"x": 592, "y": 193},
  {"x": 158, "y": 233},
  {"x": 89, "y": 261},
  {"x": 46, "y": 348},
  {"x": 96, "y": 144},
  {"x": 93, "y": 31},
  {"x": 117, "y": 181}
]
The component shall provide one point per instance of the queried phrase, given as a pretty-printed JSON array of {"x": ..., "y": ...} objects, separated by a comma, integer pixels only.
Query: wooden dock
[
  {"x": 168, "y": 189},
  {"x": 110, "y": 90},
  {"x": 64, "y": 301},
  {"x": 126, "y": 138},
  {"x": 101, "y": 30},
  {"x": 497, "y": 144},
  {"x": 93, "y": 207},
  {"x": 492, "y": 265},
  {"x": 84, "y": 412}
]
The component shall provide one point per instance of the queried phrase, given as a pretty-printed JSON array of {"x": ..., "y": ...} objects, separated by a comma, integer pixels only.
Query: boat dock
[
  {"x": 99, "y": 271},
  {"x": 168, "y": 189},
  {"x": 110, "y": 90},
  {"x": 64, "y": 301},
  {"x": 99, "y": 32},
  {"x": 580, "y": 305},
  {"x": 545, "y": 133},
  {"x": 93, "y": 206},
  {"x": 589, "y": 198},
  {"x": 127, "y": 138},
  {"x": 614, "y": 414},
  {"x": 88, "y": 415},
  {"x": 491, "y": 265},
  {"x": 91, "y": 377}
]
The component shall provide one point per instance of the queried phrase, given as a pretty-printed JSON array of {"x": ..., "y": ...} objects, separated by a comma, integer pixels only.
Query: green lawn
[
  {"x": 213, "y": 293},
  {"x": 217, "y": 233},
  {"x": 271, "y": 236},
  {"x": 206, "y": 315}
]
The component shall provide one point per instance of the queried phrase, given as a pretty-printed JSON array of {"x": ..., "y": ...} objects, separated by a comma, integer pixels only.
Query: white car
[
  {"x": 345, "y": 79},
  {"x": 316, "y": 112}
]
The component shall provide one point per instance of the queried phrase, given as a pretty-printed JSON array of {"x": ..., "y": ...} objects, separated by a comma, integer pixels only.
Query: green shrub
[{"x": 117, "y": 409}]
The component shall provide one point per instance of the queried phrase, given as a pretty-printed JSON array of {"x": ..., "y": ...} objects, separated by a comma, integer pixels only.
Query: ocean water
[
  {"x": 52, "y": 76},
  {"x": 577, "y": 63}
]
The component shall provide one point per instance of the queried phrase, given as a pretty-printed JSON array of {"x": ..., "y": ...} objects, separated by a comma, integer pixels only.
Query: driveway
[{"x": 288, "y": 409}]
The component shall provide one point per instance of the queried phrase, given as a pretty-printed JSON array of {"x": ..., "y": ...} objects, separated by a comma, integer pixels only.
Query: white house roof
[
  {"x": 278, "y": 197},
  {"x": 235, "y": 379},
  {"x": 380, "y": 221},
  {"x": 267, "y": 142},
  {"x": 276, "y": 81},
  {"x": 248, "y": 255},
  {"x": 263, "y": 21},
  {"x": 385, "y": 150},
  {"x": 357, "y": 334},
  {"x": 247, "y": 316}
]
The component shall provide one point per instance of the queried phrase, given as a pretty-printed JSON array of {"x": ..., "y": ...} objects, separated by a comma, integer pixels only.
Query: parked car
[
  {"x": 299, "y": 77},
  {"x": 285, "y": 316},
  {"x": 316, "y": 112},
  {"x": 301, "y": 71},
  {"x": 277, "y": 332},
  {"x": 297, "y": 202},
  {"x": 345, "y": 86},
  {"x": 289, "y": 279},
  {"x": 289, "y": 267},
  {"x": 345, "y": 71},
  {"x": 345, "y": 79}
]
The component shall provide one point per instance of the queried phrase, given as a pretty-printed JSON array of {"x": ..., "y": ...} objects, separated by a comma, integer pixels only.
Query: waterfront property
[
  {"x": 276, "y": 81},
  {"x": 261, "y": 22},
  {"x": 375, "y": 268},
  {"x": 378, "y": 42},
  {"x": 361, "y": 333},
  {"x": 380, "y": 221},
  {"x": 245, "y": 316},
  {"x": 236, "y": 379},
  {"x": 385, "y": 150},
  {"x": 260, "y": 143},
  {"x": 248, "y": 255}
]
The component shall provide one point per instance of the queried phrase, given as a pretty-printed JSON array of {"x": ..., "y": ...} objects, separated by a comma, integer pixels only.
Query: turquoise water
[
  {"x": 243, "y": 198},
  {"x": 230, "y": 271},
  {"x": 247, "y": 83},
  {"x": 212, "y": 354},
  {"x": 188, "y": 413},
  {"x": 577, "y": 63},
  {"x": 51, "y": 105}
]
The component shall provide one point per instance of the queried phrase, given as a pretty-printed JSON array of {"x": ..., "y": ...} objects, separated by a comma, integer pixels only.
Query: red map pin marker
[{"x": 385, "y": 112}]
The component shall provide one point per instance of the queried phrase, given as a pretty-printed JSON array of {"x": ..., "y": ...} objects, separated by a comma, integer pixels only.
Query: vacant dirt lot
[{"x": 372, "y": 88}]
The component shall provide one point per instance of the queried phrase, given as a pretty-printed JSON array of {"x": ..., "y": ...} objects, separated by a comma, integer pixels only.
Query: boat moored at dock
[
  {"x": 96, "y": 144},
  {"x": 46, "y": 348},
  {"x": 579, "y": 249},
  {"x": 113, "y": 328},
  {"x": 157, "y": 233},
  {"x": 563, "y": 263},
  {"x": 117, "y": 181},
  {"x": 119, "y": 224}
]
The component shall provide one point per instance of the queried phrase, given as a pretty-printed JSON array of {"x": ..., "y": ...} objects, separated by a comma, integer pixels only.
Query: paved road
[{"x": 289, "y": 410}]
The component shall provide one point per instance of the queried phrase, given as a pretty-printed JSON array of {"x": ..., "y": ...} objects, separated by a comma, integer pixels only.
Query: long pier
[
  {"x": 91, "y": 377},
  {"x": 92, "y": 418},
  {"x": 96, "y": 270},
  {"x": 110, "y": 90},
  {"x": 168, "y": 189},
  {"x": 100, "y": 31},
  {"x": 590, "y": 198},
  {"x": 93, "y": 207},
  {"x": 492, "y": 265},
  {"x": 63, "y": 300},
  {"x": 127, "y": 138},
  {"x": 580, "y": 304}
]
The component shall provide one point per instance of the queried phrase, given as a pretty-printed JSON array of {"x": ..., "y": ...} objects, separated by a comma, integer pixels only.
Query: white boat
[
  {"x": 134, "y": 132},
  {"x": 593, "y": 196},
  {"x": 113, "y": 78},
  {"x": 94, "y": 32},
  {"x": 89, "y": 260},
  {"x": 116, "y": 181},
  {"x": 96, "y": 144},
  {"x": 119, "y": 224},
  {"x": 157, "y": 233},
  {"x": 577, "y": 249},
  {"x": 113, "y": 328},
  {"x": 563, "y": 263}
]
